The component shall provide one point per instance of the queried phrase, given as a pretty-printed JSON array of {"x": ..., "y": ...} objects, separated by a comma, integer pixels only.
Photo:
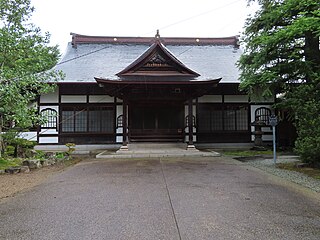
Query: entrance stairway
[{"x": 149, "y": 150}]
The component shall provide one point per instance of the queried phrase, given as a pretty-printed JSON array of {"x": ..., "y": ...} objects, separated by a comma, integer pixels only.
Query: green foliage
[
  {"x": 306, "y": 99},
  {"x": 9, "y": 151},
  {"x": 71, "y": 148},
  {"x": 282, "y": 55},
  {"x": 40, "y": 154},
  {"x": 25, "y": 61},
  {"x": 9, "y": 162},
  {"x": 60, "y": 155}
]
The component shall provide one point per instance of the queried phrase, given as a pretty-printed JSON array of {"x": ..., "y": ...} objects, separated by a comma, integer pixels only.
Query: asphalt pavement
[{"x": 186, "y": 198}]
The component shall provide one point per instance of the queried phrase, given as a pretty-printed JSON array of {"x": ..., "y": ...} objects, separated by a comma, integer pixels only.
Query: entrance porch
[{"x": 156, "y": 122}]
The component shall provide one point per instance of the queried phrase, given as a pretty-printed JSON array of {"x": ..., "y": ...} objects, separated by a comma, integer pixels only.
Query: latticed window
[
  {"x": 262, "y": 114},
  {"x": 51, "y": 117},
  {"x": 87, "y": 119},
  {"x": 193, "y": 121},
  {"x": 120, "y": 121},
  {"x": 222, "y": 118}
]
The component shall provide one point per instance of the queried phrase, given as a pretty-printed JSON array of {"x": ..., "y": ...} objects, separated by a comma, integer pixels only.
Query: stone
[
  {"x": 50, "y": 155},
  {"x": 24, "y": 169},
  {"x": 32, "y": 164},
  {"x": 2, "y": 171},
  {"x": 13, "y": 170},
  {"x": 44, "y": 163}
]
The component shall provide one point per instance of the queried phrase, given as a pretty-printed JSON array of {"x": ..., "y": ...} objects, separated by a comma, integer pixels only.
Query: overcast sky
[{"x": 174, "y": 18}]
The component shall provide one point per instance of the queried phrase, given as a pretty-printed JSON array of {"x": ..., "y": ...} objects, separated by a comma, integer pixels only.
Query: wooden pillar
[
  {"x": 125, "y": 125},
  {"x": 190, "y": 124}
]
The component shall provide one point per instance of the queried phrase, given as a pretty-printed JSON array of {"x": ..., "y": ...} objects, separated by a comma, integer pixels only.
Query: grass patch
[
  {"x": 9, "y": 162},
  {"x": 311, "y": 172},
  {"x": 246, "y": 153}
]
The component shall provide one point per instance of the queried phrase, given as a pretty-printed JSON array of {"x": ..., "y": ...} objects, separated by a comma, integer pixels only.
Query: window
[
  {"x": 93, "y": 119},
  {"x": 50, "y": 115},
  {"x": 262, "y": 114},
  {"x": 214, "y": 117}
]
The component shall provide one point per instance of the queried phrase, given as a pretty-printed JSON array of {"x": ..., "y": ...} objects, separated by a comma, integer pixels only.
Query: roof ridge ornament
[{"x": 157, "y": 34}]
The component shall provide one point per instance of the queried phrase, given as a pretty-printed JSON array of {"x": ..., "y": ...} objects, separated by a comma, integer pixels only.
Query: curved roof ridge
[{"x": 87, "y": 39}]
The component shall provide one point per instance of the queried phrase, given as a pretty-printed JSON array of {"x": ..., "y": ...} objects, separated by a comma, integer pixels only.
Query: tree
[
  {"x": 282, "y": 55},
  {"x": 25, "y": 61}
]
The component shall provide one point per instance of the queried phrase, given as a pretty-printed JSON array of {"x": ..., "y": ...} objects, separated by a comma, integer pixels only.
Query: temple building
[{"x": 119, "y": 90}]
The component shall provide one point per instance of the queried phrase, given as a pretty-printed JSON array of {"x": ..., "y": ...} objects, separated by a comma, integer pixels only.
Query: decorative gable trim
[{"x": 157, "y": 61}]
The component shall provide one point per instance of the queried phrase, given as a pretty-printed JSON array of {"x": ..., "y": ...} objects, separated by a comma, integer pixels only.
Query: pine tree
[{"x": 282, "y": 55}]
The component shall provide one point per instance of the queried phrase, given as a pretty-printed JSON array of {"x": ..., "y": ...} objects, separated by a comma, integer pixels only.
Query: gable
[{"x": 157, "y": 61}]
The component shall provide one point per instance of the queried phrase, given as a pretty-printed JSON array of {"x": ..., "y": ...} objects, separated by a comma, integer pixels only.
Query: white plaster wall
[
  {"x": 31, "y": 136},
  {"x": 48, "y": 139},
  {"x": 119, "y": 139},
  {"x": 48, "y": 131},
  {"x": 187, "y": 138},
  {"x": 210, "y": 99},
  {"x": 236, "y": 98},
  {"x": 73, "y": 98},
  {"x": 119, "y": 111},
  {"x": 101, "y": 99},
  {"x": 50, "y": 97}
]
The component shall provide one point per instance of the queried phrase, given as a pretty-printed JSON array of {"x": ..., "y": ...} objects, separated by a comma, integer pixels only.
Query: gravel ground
[
  {"x": 296, "y": 177},
  {"x": 10, "y": 184}
]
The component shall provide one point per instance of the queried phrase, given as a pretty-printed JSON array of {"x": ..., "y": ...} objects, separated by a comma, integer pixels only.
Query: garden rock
[
  {"x": 32, "y": 164},
  {"x": 24, "y": 169},
  {"x": 13, "y": 170},
  {"x": 50, "y": 155},
  {"x": 2, "y": 172}
]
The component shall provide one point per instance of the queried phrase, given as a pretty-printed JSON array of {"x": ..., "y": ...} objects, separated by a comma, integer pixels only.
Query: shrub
[
  {"x": 71, "y": 148},
  {"x": 307, "y": 108}
]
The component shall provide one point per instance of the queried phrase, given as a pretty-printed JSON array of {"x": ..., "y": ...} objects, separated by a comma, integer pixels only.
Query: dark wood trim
[
  {"x": 125, "y": 123},
  {"x": 190, "y": 121},
  {"x": 38, "y": 127},
  {"x": 49, "y": 104},
  {"x": 49, "y": 143},
  {"x": 48, "y": 135}
]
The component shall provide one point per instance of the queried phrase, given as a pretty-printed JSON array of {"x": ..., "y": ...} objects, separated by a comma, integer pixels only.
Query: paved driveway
[{"x": 203, "y": 198}]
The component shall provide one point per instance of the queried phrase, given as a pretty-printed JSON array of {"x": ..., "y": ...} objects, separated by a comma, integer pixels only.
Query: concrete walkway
[
  {"x": 175, "y": 198},
  {"x": 151, "y": 150}
]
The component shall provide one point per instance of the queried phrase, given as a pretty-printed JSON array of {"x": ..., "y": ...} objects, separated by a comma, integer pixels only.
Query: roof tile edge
[{"x": 85, "y": 39}]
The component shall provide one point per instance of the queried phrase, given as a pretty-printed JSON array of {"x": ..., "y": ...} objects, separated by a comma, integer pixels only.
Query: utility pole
[{"x": 273, "y": 122}]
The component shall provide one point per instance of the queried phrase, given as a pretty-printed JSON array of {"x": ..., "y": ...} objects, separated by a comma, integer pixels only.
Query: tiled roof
[{"x": 88, "y": 57}]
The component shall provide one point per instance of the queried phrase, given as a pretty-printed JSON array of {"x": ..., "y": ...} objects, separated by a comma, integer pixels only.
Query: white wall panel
[
  {"x": 48, "y": 139},
  {"x": 48, "y": 131},
  {"x": 119, "y": 111},
  {"x": 119, "y": 139},
  {"x": 50, "y": 97},
  {"x": 101, "y": 99},
  {"x": 73, "y": 98},
  {"x": 31, "y": 136},
  {"x": 210, "y": 99},
  {"x": 236, "y": 98}
]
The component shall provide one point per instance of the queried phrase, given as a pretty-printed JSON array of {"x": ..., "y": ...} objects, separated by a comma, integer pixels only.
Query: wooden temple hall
[{"x": 149, "y": 89}]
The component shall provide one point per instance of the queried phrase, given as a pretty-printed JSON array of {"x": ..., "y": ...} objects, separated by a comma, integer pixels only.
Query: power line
[
  {"x": 161, "y": 28},
  {"x": 197, "y": 15}
]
